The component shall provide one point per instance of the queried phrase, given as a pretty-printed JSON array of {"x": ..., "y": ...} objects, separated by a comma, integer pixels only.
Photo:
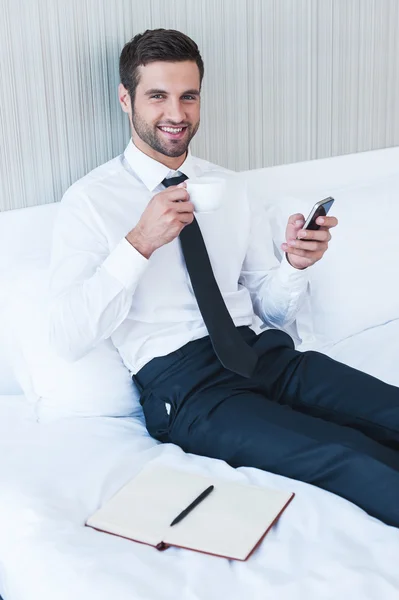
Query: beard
[{"x": 151, "y": 135}]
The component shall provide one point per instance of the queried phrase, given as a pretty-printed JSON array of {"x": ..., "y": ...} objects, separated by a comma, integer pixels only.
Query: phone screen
[{"x": 321, "y": 211}]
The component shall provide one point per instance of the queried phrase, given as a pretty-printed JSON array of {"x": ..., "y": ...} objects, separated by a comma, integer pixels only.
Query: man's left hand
[{"x": 311, "y": 246}]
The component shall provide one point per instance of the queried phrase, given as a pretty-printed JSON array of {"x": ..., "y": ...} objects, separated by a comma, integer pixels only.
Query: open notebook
[{"x": 230, "y": 522}]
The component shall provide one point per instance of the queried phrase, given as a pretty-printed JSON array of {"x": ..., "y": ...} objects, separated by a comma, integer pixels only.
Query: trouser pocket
[{"x": 158, "y": 415}]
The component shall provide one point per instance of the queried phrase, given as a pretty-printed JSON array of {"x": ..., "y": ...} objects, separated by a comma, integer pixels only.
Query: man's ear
[{"x": 124, "y": 98}]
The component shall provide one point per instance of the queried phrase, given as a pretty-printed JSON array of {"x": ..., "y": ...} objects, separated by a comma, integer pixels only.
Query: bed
[{"x": 55, "y": 472}]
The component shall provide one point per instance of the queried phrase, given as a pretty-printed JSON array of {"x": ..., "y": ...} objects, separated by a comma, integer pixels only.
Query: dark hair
[{"x": 153, "y": 45}]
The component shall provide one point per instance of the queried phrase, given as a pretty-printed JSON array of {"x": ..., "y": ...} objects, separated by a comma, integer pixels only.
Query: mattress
[{"x": 54, "y": 475}]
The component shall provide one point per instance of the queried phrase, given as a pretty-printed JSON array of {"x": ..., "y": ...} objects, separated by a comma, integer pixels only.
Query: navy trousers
[{"x": 301, "y": 415}]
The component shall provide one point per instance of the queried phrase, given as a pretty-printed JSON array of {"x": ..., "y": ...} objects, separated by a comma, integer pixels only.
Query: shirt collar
[{"x": 150, "y": 171}]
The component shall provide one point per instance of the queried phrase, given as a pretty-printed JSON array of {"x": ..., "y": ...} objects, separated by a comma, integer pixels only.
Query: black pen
[{"x": 193, "y": 504}]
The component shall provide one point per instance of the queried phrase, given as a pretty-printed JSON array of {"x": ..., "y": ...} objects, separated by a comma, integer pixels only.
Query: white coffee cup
[{"x": 206, "y": 193}]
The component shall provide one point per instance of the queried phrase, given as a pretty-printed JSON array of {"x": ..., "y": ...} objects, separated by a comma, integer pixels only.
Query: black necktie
[{"x": 228, "y": 344}]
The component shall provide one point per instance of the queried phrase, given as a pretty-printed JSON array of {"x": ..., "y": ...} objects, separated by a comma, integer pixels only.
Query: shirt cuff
[
  {"x": 126, "y": 264},
  {"x": 289, "y": 274}
]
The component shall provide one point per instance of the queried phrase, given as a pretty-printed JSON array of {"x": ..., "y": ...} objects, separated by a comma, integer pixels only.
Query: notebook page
[
  {"x": 230, "y": 521},
  {"x": 144, "y": 508}
]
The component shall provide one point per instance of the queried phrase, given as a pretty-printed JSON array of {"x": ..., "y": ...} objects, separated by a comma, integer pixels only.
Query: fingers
[
  {"x": 174, "y": 194},
  {"x": 179, "y": 220},
  {"x": 321, "y": 235},
  {"x": 327, "y": 221},
  {"x": 296, "y": 219},
  {"x": 305, "y": 247},
  {"x": 301, "y": 248},
  {"x": 175, "y": 200},
  {"x": 183, "y": 207},
  {"x": 186, "y": 218}
]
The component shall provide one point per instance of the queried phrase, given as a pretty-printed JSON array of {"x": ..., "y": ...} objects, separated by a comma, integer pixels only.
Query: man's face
[{"x": 166, "y": 111}]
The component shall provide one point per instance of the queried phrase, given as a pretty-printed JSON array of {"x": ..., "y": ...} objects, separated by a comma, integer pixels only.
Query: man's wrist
[{"x": 135, "y": 238}]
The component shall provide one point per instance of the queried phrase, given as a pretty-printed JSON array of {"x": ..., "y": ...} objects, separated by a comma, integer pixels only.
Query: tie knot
[{"x": 167, "y": 182}]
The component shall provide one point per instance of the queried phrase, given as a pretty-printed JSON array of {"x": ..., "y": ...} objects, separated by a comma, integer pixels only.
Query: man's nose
[{"x": 175, "y": 112}]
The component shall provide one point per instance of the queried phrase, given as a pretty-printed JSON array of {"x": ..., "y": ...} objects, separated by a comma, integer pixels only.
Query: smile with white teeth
[{"x": 172, "y": 129}]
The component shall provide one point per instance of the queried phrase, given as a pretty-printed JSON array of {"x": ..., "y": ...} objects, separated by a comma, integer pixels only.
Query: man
[{"x": 176, "y": 292}]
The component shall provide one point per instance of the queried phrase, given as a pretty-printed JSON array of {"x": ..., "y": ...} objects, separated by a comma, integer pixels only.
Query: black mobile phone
[{"x": 320, "y": 209}]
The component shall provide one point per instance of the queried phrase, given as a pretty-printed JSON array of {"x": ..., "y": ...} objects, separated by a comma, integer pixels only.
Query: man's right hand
[{"x": 163, "y": 219}]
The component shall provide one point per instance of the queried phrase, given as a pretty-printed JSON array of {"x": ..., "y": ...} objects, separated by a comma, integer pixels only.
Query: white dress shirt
[{"x": 102, "y": 287}]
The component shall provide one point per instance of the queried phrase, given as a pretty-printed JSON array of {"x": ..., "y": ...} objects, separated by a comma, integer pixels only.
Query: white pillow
[
  {"x": 8, "y": 276},
  {"x": 25, "y": 239},
  {"x": 8, "y": 382},
  {"x": 98, "y": 384},
  {"x": 355, "y": 285},
  {"x": 9, "y": 386},
  {"x": 25, "y": 235}
]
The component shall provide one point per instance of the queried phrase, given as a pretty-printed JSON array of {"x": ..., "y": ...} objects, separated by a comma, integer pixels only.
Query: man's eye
[
  {"x": 188, "y": 97},
  {"x": 157, "y": 96}
]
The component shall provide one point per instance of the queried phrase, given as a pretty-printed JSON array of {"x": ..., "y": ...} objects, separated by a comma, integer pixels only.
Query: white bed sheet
[{"x": 53, "y": 476}]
